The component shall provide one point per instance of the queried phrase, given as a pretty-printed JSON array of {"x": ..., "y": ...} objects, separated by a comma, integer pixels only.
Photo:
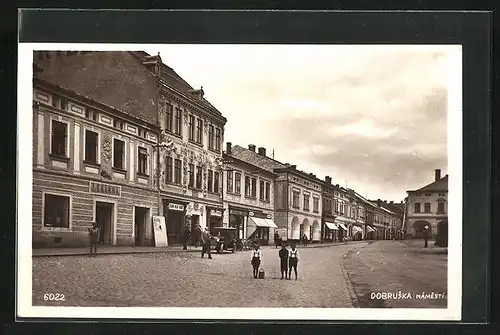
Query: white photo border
[{"x": 24, "y": 307}]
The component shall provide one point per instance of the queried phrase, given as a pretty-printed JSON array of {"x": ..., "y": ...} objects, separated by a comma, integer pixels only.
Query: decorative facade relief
[
  {"x": 205, "y": 126},
  {"x": 185, "y": 114},
  {"x": 106, "y": 170}
]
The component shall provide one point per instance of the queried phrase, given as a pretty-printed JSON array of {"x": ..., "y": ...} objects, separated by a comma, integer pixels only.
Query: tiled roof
[
  {"x": 440, "y": 185},
  {"x": 251, "y": 157}
]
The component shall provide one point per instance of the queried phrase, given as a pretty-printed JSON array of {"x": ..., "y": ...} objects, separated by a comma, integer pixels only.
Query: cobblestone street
[{"x": 183, "y": 279}]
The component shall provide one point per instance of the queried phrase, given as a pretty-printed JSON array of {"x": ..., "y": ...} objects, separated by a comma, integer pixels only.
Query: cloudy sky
[{"x": 372, "y": 119}]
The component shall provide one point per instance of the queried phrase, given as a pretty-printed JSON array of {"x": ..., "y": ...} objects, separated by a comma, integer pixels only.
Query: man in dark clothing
[
  {"x": 94, "y": 233},
  {"x": 206, "y": 244},
  {"x": 283, "y": 253},
  {"x": 277, "y": 239},
  {"x": 187, "y": 236}
]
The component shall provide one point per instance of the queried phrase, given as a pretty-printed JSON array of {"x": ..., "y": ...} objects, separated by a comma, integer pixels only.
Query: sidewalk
[
  {"x": 417, "y": 245},
  {"x": 109, "y": 250}
]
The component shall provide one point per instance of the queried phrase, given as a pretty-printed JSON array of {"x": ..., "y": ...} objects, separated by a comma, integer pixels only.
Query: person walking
[
  {"x": 94, "y": 233},
  {"x": 305, "y": 240},
  {"x": 256, "y": 260},
  {"x": 277, "y": 239},
  {"x": 283, "y": 253},
  {"x": 187, "y": 237},
  {"x": 206, "y": 244},
  {"x": 293, "y": 259}
]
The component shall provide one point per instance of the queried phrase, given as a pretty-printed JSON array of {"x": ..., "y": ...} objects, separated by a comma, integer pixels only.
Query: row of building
[{"x": 120, "y": 137}]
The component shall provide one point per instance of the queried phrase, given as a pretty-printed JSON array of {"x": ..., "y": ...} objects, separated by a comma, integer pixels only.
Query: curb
[{"x": 350, "y": 287}]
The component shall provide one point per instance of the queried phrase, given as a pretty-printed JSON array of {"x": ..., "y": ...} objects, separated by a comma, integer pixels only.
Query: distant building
[
  {"x": 248, "y": 194},
  {"x": 396, "y": 216},
  {"x": 428, "y": 206}
]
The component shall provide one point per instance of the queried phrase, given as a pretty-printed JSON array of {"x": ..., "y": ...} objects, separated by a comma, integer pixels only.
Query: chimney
[
  {"x": 262, "y": 151},
  {"x": 328, "y": 180},
  {"x": 392, "y": 202},
  {"x": 251, "y": 147},
  {"x": 337, "y": 185},
  {"x": 228, "y": 148},
  {"x": 438, "y": 174},
  {"x": 293, "y": 166}
]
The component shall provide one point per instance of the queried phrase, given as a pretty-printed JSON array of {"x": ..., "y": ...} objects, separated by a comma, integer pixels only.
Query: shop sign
[
  {"x": 100, "y": 188},
  {"x": 175, "y": 207},
  {"x": 160, "y": 231},
  {"x": 250, "y": 214},
  {"x": 215, "y": 212},
  {"x": 235, "y": 212},
  {"x": 268, "y": 216}
]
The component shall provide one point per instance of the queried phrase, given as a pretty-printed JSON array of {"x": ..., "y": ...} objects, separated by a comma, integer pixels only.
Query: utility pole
[{"x": 273, "y": 153}]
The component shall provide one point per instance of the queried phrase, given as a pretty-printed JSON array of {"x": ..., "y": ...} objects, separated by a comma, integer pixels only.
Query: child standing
[
  {"x": 256, "y": 260},
  {"x": 283, "y": 253},
  {"x": 94, "y": 237},
  {"x": 293, "y": 259}
]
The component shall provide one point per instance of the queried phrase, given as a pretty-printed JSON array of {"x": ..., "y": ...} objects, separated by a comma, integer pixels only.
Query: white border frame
[{"x": 24, "y": 210}]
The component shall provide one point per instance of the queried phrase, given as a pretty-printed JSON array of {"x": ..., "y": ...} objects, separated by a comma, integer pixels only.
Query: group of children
[{"x": 288, "y": 260}]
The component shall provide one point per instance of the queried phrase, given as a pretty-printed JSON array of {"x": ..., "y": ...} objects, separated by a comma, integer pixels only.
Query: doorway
[
  {"x": 104, "y": 219},
  {"x": 140, "y": 224}
]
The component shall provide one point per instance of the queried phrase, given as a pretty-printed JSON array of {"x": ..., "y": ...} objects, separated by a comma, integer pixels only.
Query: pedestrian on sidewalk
[
  {"x": 305, "y": 240},
  {"x": 187, "y": 236},
  {"x": 283, "y": 253},
  {"x": 94, "y": 233},
  {"x": 206, "y": 244},
  {"x": 293, "y": 260},
  {"x": 256, "y": 259}
]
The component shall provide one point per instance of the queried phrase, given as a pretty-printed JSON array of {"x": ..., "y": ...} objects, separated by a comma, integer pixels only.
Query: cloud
[{"x": 376, "y": 118}]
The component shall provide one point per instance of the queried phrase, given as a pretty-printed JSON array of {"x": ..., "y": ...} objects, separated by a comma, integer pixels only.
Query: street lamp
[{"x": 426, "y": 235}]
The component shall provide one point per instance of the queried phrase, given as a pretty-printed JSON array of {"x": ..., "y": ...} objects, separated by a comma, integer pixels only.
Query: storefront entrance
[
  {"x": 141, "y": 220},
  {"x": 104, "y": 219}
]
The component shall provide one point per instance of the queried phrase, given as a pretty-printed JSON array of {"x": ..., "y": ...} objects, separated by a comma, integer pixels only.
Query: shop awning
[
  {"x": 271, "y": 223},
  {"x": 356, "y": 228},
  {"x": 343, "y": 226},
  {"x": 370, "y": 229},
  {"x": 332, "y": 225},
  {"x": 260, "y": 222}
]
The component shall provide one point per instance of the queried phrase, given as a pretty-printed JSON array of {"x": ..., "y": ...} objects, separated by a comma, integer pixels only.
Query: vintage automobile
[{"x": 224, "y": 239}]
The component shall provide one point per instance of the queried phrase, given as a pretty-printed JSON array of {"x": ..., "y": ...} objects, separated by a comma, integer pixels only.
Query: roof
[
  {"x": 253, "y": 158},
  {"x": 235, "y": 160},
  {"x": 440, "y": 185}
]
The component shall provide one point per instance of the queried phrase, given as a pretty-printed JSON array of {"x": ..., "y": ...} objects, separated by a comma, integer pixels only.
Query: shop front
[
  {"x": 214, "y": 217},
  {"x": 343, "y": 232},
  {"x": 238, "y": 219},
  {"x": 370, "y": 232},
  {"x": 175, "y": 214},
  {"x": 357, "y": 233},
  {"x": 330, "y": 231},
  {"x": 261, "y": 227}
]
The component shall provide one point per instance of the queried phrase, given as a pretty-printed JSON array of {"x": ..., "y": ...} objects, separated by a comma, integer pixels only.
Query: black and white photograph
[{"x": 204, "y": 180}]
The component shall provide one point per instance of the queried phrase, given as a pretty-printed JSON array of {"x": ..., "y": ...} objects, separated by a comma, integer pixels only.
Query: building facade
[
  {"x": 395, "y": 213},
  {"x": 428, "y": 206},
  {"x": 329, "y": 229},
  {"x": 91, "y": 162},
  {"x": 248, "y": 197},
  {"x": 185, "y": 166}
]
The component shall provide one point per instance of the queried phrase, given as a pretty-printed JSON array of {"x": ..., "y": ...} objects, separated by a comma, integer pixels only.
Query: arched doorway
[
  {"x": 316, "y": 231},
  {"x": 305, "y": 228},
  {"x": 419, "y": 227},
  {"x": 295, "y": 235},
  {"x": 442, "y": 234}
]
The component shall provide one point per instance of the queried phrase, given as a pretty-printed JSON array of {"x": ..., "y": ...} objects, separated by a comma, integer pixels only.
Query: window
[
  {"x": 142, "y": 155},
  {"x": 237, "y": 183},
  {"x": 178, "y": 121},
  {"x": 440, "y": 207},
  {"x": 216, "y": 182},
  {"x": 336, "y": 205},
  {"x": 118, "y": 154},
  {"x": 316, "y": 205},
  {"x": 306, "y": 202},
  {"x": 427, "y": 207},
  {"x": 210, "y": 180},
  {"x": 198, "y": 177},
  {"x": 416, "y": 208},
  {"x": 268, "y": 192},
  {"x": 169, "y": 119},
  {"x": 191, "y": 127},
  {"x": 230, "y": 181},
  {"x": 254, "y": 187},
  {"x": 177, "y": 171},
  {"x": 247, "y": 186},
  {"x": 211, "y": 136},
  {"x": 56, "y": 211},
  {"x": 295, "y": 199},
  {"x": 59, "y": 137},
  {"x": 169, "y": 169},
  {"x": 262, "y": 192},
  {"x": 217, "y": 139},
  {"x": 191, "y": 175},
  {"x": 199, "y": 131},
  {"x": 91, "y": 145}
]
